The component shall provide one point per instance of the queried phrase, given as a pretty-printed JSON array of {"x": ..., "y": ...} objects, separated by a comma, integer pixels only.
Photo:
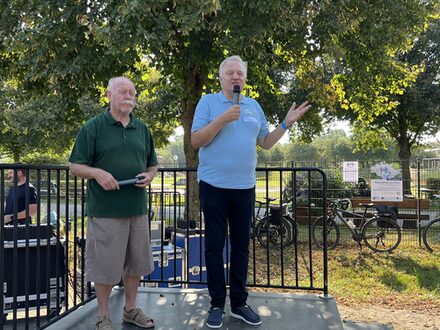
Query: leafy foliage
[
  {"x": 417, "y": 110},
  {"x": 337, "y": 54}
]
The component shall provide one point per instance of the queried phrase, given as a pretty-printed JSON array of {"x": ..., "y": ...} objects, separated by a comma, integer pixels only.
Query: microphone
[
  {"x": 236, "y": 94},
  {"x": 130, "y": 181}
]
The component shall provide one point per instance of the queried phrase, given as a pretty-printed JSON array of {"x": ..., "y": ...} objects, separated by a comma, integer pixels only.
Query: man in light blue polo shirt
[{"x": 227, "y": 134}]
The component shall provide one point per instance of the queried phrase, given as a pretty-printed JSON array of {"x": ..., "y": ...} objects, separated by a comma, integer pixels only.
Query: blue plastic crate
[
  {"x": 194, "y": 267},
  {"x": 168, "y": 265}
]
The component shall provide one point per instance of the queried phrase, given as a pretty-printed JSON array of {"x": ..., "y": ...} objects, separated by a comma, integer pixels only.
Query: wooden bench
[
  {"x": 410, "y": 203},
  {"x": 303, "y": 217},
  {"x": 410, "y": 219},
  {"x": 407, "y": 210}
]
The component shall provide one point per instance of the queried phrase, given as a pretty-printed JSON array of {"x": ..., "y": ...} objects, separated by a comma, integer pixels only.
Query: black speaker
[
  {"x": 41, "y": 267},
  {"x": 23, "y": 232}
]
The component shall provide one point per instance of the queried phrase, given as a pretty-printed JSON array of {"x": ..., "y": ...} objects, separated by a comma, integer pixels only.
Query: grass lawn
[{"x": 410, "y": 276}]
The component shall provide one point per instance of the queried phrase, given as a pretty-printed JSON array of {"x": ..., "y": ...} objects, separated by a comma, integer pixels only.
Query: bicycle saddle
[{"x": 366, "y": 204}]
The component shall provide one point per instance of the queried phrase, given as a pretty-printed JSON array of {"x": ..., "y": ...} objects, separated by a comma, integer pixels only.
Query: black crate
[
  {"x": 32, "y": 231},
  {"x": 43, "y": 269}
]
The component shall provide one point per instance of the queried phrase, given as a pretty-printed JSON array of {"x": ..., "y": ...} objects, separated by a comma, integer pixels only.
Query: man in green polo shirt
[{"x": 111, "y": 147}]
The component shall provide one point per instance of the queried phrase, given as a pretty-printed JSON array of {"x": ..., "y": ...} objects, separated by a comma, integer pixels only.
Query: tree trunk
[
  {"x": 194, "y": 83},
  {"x": 16, "y": 155},
  {"x": 405, "y": 157}
]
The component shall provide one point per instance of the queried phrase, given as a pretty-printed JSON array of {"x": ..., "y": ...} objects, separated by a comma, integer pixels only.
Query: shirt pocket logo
[{"x": 249, "y": 116}]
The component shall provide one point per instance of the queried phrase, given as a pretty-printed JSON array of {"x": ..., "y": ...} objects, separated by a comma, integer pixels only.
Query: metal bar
[
  {"x": 170, "y": 210},
  {"x": 66, "y": 235},
  {"x": 419, "y": 228},
  {"x": 2, "y": 250},
  {"x": 325, "y": 252},
  {"x": 282, "y": 226}
]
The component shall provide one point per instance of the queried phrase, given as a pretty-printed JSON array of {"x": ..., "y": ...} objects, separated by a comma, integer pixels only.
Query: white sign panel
[
  {"x": 350, "y": 171},
  {"x": 386, "y": 191}
]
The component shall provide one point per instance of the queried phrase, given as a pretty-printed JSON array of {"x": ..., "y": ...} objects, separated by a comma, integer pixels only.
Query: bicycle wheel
[
  {"x": 332, "y": 233},
  {"x": 381, "y": 234},
  {"x": 291, "y": 224},
  {"x": 431, "y": 235},
  {"x": 273, "y": 235}
]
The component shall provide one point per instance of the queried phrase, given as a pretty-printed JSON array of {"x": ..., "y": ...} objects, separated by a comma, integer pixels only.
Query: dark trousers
[{"x": 220, "y": 208}]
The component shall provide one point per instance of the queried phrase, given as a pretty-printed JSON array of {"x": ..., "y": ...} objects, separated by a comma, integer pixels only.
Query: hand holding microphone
[{"x": 233, "y": 113}]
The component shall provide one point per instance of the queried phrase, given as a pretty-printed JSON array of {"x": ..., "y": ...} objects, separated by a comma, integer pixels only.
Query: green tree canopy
[
  {"x": 417, "y": 109},
  {"x": 341, "y": 53}
]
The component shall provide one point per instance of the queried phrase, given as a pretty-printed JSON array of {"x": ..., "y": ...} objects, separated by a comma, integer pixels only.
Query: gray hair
[
  {"x": 113, "y": 81},
  {"x": 235, "y": 58}
]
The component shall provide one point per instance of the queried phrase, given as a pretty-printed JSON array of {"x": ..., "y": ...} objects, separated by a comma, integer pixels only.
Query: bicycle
[
  {"x": 431, "y": 235},
  {"x": 380, "y": 233},
  {"x": 270, "y": 230}
]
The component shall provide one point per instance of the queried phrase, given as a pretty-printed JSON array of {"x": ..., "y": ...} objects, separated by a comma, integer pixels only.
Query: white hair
[
  {"x": 114, "y": 80},
  {"x": 235, "y": 58}
]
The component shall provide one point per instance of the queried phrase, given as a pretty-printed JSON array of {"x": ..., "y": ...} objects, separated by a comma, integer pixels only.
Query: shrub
[{"x": 433, "y": 183}]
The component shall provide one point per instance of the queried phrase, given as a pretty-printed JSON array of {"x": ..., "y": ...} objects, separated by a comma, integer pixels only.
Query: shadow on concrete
[{"x": 187, "y": 309}]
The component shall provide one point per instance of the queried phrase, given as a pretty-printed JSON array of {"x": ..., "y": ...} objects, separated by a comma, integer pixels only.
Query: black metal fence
[
  {"x": 43, "y": 262},
  {"x": 421, "y": 190}
]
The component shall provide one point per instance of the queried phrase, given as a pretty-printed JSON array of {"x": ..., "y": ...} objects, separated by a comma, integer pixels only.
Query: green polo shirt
[{"x": 122, "y": 151}]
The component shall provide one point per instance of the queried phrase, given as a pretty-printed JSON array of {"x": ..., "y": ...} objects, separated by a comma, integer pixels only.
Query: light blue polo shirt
[{"x": 229, "y": 161}]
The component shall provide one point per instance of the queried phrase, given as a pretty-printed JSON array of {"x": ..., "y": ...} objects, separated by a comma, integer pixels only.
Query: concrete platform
[{"x": 178, "y": 309}]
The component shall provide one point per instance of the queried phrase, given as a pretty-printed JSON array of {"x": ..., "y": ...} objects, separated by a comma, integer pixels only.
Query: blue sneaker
[
  {"x": 215, "y": 318},
  {"x": 245, "y": 313}
]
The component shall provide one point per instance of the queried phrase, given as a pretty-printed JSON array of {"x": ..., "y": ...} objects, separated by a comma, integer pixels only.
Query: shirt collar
[
  {"x": 224, "y": 99},
  {"x": 112, "y": 121}
]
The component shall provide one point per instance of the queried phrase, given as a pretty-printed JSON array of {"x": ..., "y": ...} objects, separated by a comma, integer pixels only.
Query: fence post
[
  {"x": 325, "y": 250},
  {"x": 419, "y": 231}
]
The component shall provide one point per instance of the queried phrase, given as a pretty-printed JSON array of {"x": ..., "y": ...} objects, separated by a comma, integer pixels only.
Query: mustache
[{"x": 129, "y": 102}]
